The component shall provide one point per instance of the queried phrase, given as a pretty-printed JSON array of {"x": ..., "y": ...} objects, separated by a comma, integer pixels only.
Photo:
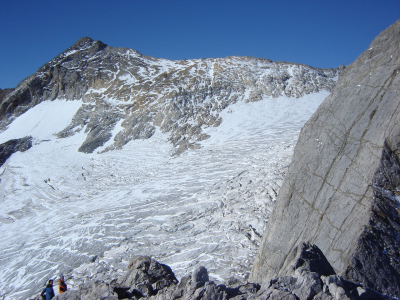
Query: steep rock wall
[{"x": 332, "y": 195}]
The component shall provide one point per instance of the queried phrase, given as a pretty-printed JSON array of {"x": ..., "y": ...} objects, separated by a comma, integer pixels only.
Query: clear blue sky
[{"x": 323, "y": 33}]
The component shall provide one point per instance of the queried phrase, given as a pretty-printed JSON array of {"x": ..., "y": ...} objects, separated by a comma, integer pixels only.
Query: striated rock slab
[{"x": 341, "y": 189}]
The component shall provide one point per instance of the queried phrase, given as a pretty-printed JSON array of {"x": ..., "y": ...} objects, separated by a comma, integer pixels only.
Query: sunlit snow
[
  {"x": 61, "y": 209},
  {"x": 42, "y": 121}
]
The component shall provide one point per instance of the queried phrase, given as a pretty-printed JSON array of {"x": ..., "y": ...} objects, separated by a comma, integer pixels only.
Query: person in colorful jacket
[
  {"x": 48, "y": 290},
  {"x": 62, "y": 286}
]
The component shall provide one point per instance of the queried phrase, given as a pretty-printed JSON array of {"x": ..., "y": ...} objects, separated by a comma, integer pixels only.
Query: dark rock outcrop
[
  {"x": 310, "y": 276},
  {"x": 378, "y": 247},
  {"x": 12, "y": 146},
  {"x": 341, "y": 189},
  {"x": 4, "y": 93}
]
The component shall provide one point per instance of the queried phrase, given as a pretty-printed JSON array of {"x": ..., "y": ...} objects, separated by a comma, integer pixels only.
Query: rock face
[
  {"x": 133, "y": 94},
  {"x": 12, "y": 146},
  {"x": 310, "y": 276},
  {"x": 376, "y": 260},
  {"x": 341, "y": 191},
  {"x": 3, "y": 93}
]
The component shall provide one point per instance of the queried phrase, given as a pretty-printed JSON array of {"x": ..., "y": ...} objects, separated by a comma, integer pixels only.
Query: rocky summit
[
  {"x": 123, "y": 89},
  {"x": 341, "y": 191}
]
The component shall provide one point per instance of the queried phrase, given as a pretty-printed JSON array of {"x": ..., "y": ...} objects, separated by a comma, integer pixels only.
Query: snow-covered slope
[
  {"x": 65, "y": 210},
  {"x": 61, "y": 208}
]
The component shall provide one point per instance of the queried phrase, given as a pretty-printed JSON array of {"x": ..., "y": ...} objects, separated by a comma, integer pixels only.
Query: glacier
[{"x": 84, "y": 214}]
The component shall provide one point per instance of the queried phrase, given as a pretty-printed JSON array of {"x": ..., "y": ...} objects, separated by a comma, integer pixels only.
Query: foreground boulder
[
  {"x": 308, "y": 276},
  {"x": 144, "y": 278},
  {"x": 341, "y": 190},
  {"x": 193, "y": 286},
  {"x": 147, "y": 278}
]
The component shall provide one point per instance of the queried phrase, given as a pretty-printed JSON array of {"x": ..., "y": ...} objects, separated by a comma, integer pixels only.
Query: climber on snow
[
  {"x": 48, "y": 290},
  {"x": 62, "y": 286}
]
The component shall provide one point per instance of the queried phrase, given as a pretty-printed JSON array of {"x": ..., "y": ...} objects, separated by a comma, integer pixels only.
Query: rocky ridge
[
  {"x": 309, "y": 276},
  {"x": 3, "y": 93},
  {"x": 124, "y": 90},
  {"x": 342, "y": 188}
]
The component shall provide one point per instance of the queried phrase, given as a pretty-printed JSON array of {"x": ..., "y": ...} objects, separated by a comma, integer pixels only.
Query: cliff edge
[{"x": 342, "y": 189}]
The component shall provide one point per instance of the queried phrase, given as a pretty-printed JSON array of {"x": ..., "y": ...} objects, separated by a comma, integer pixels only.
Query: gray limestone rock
[
  {"x": 69, "y": 295},
  {"x": 340, "y": 192},
  {"x": 196, "y": 286},
  {"x": 305, "y": 279},
  {"x": 190, "y": 283},
  {"x": 12, "y": 146},
  {"x": 145, "y": 277},
  {"x": 378, "y": 247},
  {"x": 302, "y": 277},
  {"x": 97, "y": 290},
  {"x": 148, "y": 279},
  {"x": 311, "y": 259}
]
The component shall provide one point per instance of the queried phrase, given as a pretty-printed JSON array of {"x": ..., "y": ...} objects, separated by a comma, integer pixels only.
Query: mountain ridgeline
[{"x": 123, "y": 89}]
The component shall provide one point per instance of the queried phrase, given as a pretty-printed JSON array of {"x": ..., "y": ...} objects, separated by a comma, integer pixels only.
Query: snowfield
[{"x": 84, "y": 215}]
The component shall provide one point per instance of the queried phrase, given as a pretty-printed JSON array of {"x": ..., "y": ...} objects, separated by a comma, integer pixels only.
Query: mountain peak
[
  {"x": 85, "y": 43},
  {"x": 114, "y": 77}
]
